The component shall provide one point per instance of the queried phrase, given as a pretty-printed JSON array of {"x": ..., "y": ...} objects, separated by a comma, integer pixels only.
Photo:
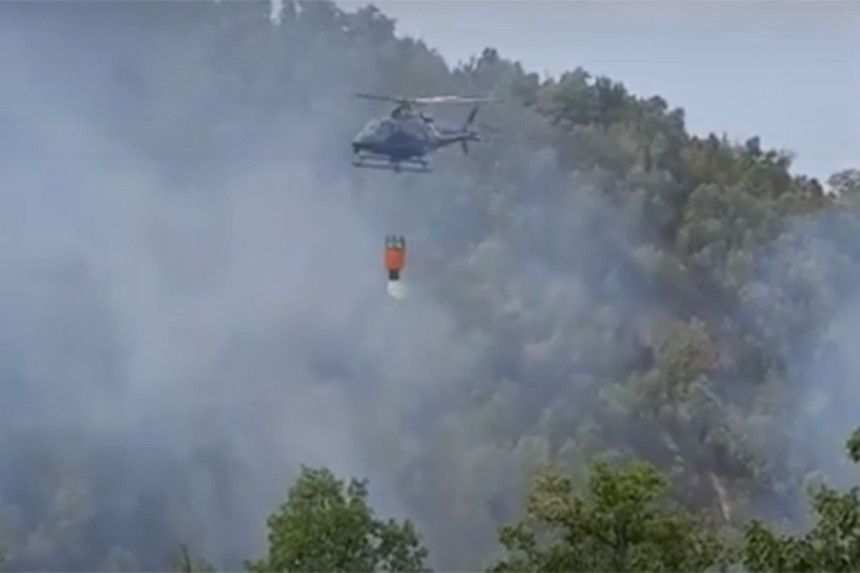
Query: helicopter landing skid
[{"x": 409, "y": 166}]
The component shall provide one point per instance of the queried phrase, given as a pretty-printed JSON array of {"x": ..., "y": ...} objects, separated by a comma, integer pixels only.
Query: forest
[{"x": 625, "y": 346}]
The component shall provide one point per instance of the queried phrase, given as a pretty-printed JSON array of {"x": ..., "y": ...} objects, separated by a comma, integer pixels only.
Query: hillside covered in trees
[{"x": 193, "y": 305}]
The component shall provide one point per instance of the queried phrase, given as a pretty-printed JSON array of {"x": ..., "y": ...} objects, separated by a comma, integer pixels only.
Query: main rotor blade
[
  {"x": 381, "y": 97},
  {"x": 452, "y": 99},
  {"x": 423, "y": 100}
]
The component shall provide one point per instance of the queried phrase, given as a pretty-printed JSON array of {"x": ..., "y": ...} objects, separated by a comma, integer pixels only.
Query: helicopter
[{"x": 402, "y": 140}]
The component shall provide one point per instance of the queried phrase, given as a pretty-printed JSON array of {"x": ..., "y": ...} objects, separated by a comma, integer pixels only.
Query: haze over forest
[{"x": 193, "y": 303}]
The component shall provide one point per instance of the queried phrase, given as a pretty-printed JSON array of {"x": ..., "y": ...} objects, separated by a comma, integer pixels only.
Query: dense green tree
[
  {"x": 624, "y": 523},
  {"x": 832, "y": 544},
  {"x": 846, "y": 184},
  {"x": 326, "y": 525},
  {"x": 611, "y": 283}
]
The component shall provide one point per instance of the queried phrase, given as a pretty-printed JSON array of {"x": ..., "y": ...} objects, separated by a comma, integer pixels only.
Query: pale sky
[{"x": 788, "y": 71}]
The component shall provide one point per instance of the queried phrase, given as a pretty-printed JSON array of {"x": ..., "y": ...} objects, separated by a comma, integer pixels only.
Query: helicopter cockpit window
[
  {"x": 385, "y": 128},
  {"x": 370, "y": 129}
]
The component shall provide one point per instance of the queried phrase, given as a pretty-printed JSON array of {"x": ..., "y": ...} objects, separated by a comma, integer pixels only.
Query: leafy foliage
[
  {"x": 833, "y": 543},
  {"x": 615, "y": 284},
  {"x": 622, "y": 525},
  {"x": 327, "y": 526},
  {"x": 846, "y": 184}
]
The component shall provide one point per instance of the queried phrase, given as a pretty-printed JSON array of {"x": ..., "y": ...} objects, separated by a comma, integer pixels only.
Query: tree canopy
[
  {"x": 190, "y": 314},
  {"x": 620, "y": 526},
  {"x": 326, "y": 525},
  {"x": 833, "y": 542},
  {"x": 622, "y": 519}
]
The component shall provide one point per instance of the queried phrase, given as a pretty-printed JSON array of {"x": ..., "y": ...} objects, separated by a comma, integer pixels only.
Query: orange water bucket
[{"x": 395, "y": 256}]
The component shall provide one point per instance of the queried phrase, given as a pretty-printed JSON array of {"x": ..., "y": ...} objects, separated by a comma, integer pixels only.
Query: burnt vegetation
[{"x": 655, "y": 328}]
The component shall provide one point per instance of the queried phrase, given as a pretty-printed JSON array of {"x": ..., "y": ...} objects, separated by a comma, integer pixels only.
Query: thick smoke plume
[
  {"x": 804, "y": 304},
  {"x": 179, "y": 329},
  {"x": 193, "y": 301}
]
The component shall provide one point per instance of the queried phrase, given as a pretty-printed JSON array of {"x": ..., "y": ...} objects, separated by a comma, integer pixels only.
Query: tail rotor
[
  {"x": 471, "y": 118},
  {"x": 470, "y": 134}
]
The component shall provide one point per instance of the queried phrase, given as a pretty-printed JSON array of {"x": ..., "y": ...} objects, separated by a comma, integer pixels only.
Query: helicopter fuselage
[
  {"x": 398, "y": 139},
  {"x": 404, "y": 140},
  {"x": 406, "y": 136}
]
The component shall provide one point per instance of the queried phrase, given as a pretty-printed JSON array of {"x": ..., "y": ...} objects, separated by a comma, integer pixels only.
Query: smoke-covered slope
[{"x": 192, "y": 303}]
